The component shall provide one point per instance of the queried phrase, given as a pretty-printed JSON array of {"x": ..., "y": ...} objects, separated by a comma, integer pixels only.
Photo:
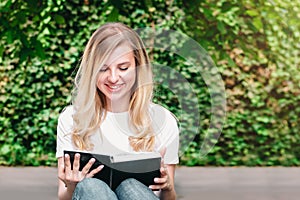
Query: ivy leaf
[
  {"x": 59, "y": 19},
  {"x": 113, "y": 16}
]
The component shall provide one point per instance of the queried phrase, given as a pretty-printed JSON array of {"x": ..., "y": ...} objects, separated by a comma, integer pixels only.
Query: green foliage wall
[{"x": 255, "y": 45}]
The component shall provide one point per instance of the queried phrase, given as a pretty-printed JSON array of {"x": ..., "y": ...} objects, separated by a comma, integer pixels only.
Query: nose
[{"x": 113, "y": 76}]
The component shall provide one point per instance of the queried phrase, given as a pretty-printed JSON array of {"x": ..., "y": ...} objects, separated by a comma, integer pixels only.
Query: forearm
[
  {"x": 65, "y": 193},
  {"x": 168, "y": 194}
]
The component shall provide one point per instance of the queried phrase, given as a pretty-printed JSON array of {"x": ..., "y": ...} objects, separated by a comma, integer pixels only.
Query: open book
[{"x": 144, "y": 167}]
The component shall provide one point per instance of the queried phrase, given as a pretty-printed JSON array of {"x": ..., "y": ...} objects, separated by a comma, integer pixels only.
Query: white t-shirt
[{"x": 112, "y": 136}]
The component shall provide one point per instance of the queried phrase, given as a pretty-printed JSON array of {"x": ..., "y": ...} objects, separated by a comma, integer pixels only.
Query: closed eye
[
  {"x": 124, "y": 66},
  {"x": 103, "y": 69}
]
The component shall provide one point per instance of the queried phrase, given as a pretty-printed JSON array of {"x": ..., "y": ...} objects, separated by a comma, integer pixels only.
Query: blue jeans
[{"x": 95, "y": 189}]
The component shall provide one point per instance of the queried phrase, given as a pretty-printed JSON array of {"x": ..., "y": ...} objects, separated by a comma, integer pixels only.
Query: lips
[{"x": 114, "y": 88}]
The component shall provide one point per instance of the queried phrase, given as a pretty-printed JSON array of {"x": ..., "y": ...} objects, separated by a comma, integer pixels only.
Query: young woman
[{"x": 112, "y": 112}]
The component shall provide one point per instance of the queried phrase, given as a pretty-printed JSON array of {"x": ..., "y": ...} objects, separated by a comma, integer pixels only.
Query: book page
[{"x": 134, "y": 156}]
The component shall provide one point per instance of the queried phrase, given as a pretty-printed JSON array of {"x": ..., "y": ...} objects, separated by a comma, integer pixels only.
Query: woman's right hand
[{"x": 71, "y": 177}]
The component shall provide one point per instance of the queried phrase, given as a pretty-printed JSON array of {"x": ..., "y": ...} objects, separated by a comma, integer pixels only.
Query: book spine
[
  {"x": 111, "y": 172},
  {"x": 111, "y": 178}
]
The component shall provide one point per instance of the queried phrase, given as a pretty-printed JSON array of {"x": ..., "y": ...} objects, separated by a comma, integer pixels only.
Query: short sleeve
[
  {"x": 167, "y": 134},
  {"x": 64, "y": 130}
]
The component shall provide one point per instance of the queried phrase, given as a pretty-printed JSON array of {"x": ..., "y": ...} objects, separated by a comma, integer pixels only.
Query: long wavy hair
[{"x": 89, "y": 102}]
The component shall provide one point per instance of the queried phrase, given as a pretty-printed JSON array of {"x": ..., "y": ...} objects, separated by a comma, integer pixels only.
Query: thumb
[{"x": 162, "y": 153}]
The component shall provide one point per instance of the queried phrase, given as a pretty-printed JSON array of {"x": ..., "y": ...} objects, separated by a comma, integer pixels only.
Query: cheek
[
  {"x": 100, "y": 81},
  {"x": 130, "y": 76}
]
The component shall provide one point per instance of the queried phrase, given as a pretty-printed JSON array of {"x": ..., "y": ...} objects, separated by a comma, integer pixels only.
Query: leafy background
[{"x": 254, "y": 44}]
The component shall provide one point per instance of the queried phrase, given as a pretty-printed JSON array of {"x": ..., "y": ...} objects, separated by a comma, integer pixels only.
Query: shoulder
[
  {"x": 166, "y": 130},
  {"x": 67, "y": 110},
  {"x": 65, "y": 122},
  {"x": 162, "y": 117},
  {"x": 66, "y": 113},
  {"x": 160, "y": 110}
]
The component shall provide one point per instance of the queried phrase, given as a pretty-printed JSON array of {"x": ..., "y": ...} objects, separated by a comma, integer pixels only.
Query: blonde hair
[{"x": 89, "y": 102}]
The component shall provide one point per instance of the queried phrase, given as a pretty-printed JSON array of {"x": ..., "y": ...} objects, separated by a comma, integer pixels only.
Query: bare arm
[{"x": 169, "y": 193}]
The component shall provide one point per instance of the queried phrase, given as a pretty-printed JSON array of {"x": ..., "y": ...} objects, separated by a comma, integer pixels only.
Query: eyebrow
[{"x": 122, "y": 63}]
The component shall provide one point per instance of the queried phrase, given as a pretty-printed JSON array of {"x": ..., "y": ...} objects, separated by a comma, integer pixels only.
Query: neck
[{"x": 117, "y": 107}]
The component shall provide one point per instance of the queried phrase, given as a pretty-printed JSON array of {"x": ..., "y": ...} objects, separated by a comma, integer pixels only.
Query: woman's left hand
[{"x": 164, "y": 182}]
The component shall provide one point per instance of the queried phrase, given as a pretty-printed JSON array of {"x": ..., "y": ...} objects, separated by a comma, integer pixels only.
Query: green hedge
[{"x": 254, "y": 44}]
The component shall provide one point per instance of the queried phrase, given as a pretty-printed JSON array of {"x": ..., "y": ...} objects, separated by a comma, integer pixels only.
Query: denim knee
[
  {"x": 128, "y": 183},
  {"x": 92, "y": 188},
  {"x": 132, "y": 189},
  {"x": 91, "y": 184}
]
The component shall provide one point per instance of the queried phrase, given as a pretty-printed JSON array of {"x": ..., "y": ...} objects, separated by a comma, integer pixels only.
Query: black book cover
[{"x": 142, "y": 167}]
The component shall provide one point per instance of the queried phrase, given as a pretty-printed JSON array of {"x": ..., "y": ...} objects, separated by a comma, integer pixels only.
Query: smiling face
[{"x": 117, "y": 77}]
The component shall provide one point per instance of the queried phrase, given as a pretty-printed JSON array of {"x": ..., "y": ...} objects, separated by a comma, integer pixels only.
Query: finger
[
  {"x": 61, "y": 168},
  {"x": 163, "y": 171},
  {"x": 68, "y": 170},
  {"x": 161, "y": 180},
  {"x": 163, "y": 186},
  {"x": 67, "y": 162},
  {"x": 76, "y": 163},
  {"x": 95, "y": 171},
  {"x": 87, "y": 167},
  {"x": 155, "y": 187}
]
